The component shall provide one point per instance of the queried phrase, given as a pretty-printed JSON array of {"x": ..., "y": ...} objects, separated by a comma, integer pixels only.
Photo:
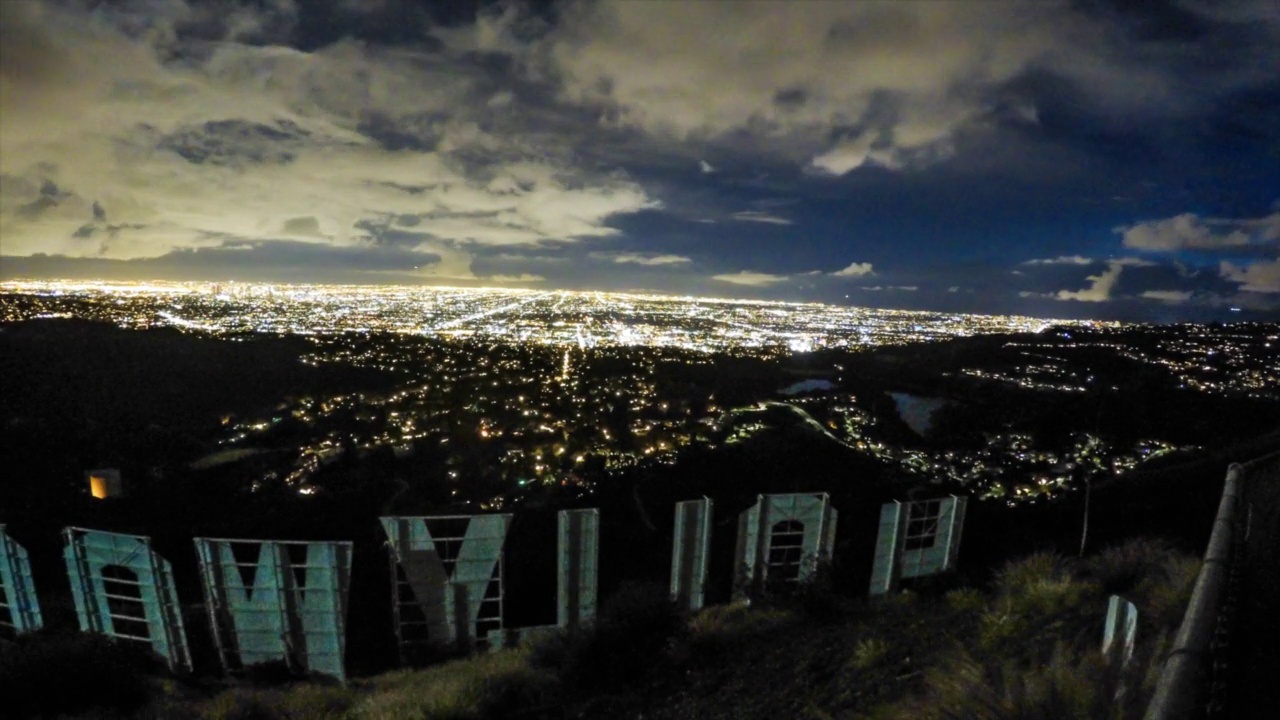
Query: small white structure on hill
[{"x": 104, "y": 483}]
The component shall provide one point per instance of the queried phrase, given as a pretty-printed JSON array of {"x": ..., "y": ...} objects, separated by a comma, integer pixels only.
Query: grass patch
[
  {"x": 1038, "y": 601},
  {"x": 1039, "y": 634},
  {"x": 303, "y": 701},
  {"x": 492, "y": 685},
  {"x": 474, "y": 687},
  {"x": 639, "y": 633},
  {"x": 50, "y": 674}
]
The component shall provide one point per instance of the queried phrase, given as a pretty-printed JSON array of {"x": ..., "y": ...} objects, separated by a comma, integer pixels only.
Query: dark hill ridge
[
  {"x": 83, "y": 394},
  {"x": 161, "y": 376},
  {"x": 1126, "y": 397}
]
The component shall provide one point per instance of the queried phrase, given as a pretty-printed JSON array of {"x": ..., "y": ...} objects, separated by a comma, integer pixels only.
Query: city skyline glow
[{"x": 570, "y": 318}]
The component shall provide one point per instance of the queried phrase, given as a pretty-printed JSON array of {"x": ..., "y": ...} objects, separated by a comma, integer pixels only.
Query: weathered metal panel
[
  {"x": 746, "y": 553},
  {"x": 578, "y": 549},
  {"x": 888, "y": 546},
  {"x": 19, "y": 607},
  {"x": 916, "y": 539},
  {"x": 828, "y": 547},
  {"x": 450, "y": 576},
  {"x": 288, "y": 603},
  {"x": 125, "y": 590},
  {"x": 789, "y": 534},
  {"x": 322, "y": 599},
  {"x": 257, "y": 622},
  {"x": 690, "y": 552},
  {"x": 956, "y": 529},
  {"x": 1122, "y": 622},
  {"x": 926, "y": 527}
]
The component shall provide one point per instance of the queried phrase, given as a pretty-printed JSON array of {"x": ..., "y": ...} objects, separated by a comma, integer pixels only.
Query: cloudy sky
[{"x": 1076, "y": 159}]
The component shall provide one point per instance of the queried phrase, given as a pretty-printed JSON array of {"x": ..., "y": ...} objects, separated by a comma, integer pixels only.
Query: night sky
[{"x": 1080, "y": 159}]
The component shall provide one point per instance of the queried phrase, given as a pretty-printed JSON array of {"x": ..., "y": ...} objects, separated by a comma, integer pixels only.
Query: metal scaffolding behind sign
[
  {"x": 19, "y": 608},
  {"x": 916, "y": 539},
  {"x": 446, "y": 576},
  {"x": 782, "y": 538},
  {"x": 577, "y": 568},
  {"x": 123, "y": 589},
  {"x": 277, "y": 601}
]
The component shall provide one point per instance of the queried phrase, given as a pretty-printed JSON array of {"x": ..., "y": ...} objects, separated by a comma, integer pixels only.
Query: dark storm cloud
[
  {"x": 307, "y": 26},
  {"x": 420, "y": 133},
  {"x": 391, "y": 22},
  {"x": 223, "y": 142},
  {"x": 49, "y": 197},
  {"x": 266, "y": 134},
  {"x": 1161, "y": 21}
]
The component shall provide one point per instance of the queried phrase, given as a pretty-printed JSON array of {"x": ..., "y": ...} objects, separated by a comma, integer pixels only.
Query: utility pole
[
  {"x": 1084, "y": 531},
  {"x": 1088, "y": 478}
]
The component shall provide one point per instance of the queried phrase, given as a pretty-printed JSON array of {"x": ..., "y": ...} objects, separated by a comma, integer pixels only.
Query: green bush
[
  {"x": 528, "y": 692},
  {"x": 50, "y": 674},
  {"x": 737, "y": 619},
  {"x": 1120, "y": 569},
  {"x": 240, "y": 705},
  {"x": 304, "y": 701},
  {"x": 816, "y": 598},
  {"x": 1150, "y": 573},
  {"x": 719, "y": 629},
  {"x": 1038, "y": 650},
  {"x": 1035, "y": 569},
  {"x": 632, "y": 636},
  {"x": 1038, "y": 602},
  {"x": 1075, "y": 682},
  {"x": 966, "y": 600},
  {"x": 867, "y": 653},
  {"x": 550, "y": 651},
  {"x": 1068, "y": 686}
]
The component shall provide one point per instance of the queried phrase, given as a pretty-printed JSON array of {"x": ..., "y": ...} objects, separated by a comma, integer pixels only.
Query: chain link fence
[
  {"x": 1249, "y": 685},
  {"x": 1224, "y": 662}
]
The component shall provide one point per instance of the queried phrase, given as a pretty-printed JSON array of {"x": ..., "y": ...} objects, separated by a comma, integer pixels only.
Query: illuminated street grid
[
  {"x": 1219, "y": 359},
  {"x": 504, "y": 392},
  {"x": 1241, "y": 359},
  {"x": 581, "y": 319}
]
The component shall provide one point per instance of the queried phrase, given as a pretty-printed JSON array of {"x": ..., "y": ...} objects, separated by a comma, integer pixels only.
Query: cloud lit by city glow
[{"x": 1008, "y": 161}]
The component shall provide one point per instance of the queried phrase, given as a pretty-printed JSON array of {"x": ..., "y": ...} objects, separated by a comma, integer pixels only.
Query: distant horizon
[
  {"x": 638, "y": 293},
  {"x": 7, "y": 285}
]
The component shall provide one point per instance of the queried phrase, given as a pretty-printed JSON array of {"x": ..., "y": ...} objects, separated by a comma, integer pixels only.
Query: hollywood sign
[{"x": 285, "y": 601}]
